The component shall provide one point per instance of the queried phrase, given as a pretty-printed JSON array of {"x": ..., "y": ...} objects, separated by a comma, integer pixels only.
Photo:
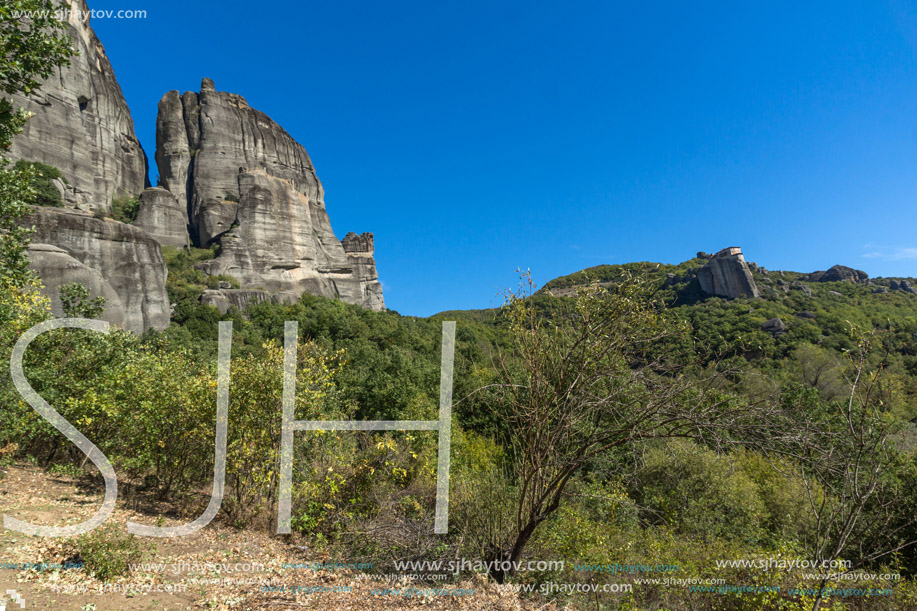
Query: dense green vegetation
[{"x": 680, "y": 502}]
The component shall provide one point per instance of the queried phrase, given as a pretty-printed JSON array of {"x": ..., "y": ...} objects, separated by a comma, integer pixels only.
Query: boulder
[
  {"x": 774, "y": 326},
  {"x": 839, "y": 273},
  {"x": 802, "y": 287},
  {"x": 902, "y": 285}
]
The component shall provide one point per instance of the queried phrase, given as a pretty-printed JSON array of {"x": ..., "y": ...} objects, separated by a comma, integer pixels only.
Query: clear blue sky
[{"x": 477, "y": 137}]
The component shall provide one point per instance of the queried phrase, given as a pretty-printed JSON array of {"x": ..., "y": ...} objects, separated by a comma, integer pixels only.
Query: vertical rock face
[
  {"x": 726, "y": 274},
  {"x": 82, "y": 125},
  {"x": 246, "y": 184},
  {"x": 202, "y": 142},
  {"x": 229, "y": 175},
  {"x": 163, "y": 218},
  {"x": 359, "y": 250},
  {"x": 114, "y": 260}
]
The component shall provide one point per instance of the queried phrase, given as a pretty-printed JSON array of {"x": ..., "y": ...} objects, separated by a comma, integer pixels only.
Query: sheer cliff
[
  {"x": 246, "y": 184},
  {"x": 229, "y": 176}
]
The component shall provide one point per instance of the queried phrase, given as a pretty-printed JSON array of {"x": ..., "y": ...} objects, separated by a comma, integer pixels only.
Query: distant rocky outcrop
[
  {"x": 82, "y": 125},
  {"x": 774, "y": 326},
  {"x": 114, "y": 260},
  {"x": 901, "y": 285},
  {"x": 249, "y": 186},
  {"x": 839, "y": 273},
  {"x": 726, "y": 274}
]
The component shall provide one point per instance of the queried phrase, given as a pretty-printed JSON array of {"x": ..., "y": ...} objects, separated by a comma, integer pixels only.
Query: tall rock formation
[
  {"x": 229, "y": 175},
  {"x": 248, "y": 185},
  {"x": 726, "y": 274},
  {"x": 114, "y": 260},
  {"x": 82, "y": 125}
]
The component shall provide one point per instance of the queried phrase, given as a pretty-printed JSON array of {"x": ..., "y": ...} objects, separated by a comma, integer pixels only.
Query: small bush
[
  {"x": 76, "y": 302},
  {"x": 231, "y": 197},
  {"x": 107, "y": 552},
  {"x": 70, "y": 470},
  {"x": 42, "y": 179},
  {"x": 125, "y": 208},
  {"x": 700, "y": 493}
]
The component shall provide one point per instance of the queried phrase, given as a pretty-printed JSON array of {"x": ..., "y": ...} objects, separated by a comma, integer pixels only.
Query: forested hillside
[{"x": 706, "y": 433}]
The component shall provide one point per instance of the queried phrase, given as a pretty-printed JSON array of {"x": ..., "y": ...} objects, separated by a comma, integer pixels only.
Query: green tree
[
  {"x": 76, "y": 302},
  {"x": 605, "y": 371},
  {"x": 46, "y": 193},
  {"x": 125, "y": 208}
]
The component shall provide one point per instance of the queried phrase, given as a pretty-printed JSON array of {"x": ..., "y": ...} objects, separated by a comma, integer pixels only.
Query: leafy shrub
[
  {"x": 125, "y": 208},
  {"x": 253, "y": 447},
  {"x": 76, "y": 302},
  {"x": 106, "y": 552},
  {"x": 700, "y": 493},
  {"x": 43, "y": 176},
  {"x": 784, "y": 494},
  {"x": 68, "y": 469}
]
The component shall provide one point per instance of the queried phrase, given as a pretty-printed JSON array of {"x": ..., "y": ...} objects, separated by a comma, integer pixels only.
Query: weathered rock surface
[
  {"x": 359, "y": 250},
  {"x": 229, "y": 174},
  {"x": 114, "y": 260},
  {"x": 82, "y": 125},
  {"x": 726, "y": 274},
  {"x": 839, "y": 273},
  {"x": 56, "y": 267},
  {"x": 224, "y": 299},
  {"x": 163, "y": 218},
  {"x": 283, "y": 243},
  {"x": 202, "y": 142},
  {"x": 802, "y": 287},
  {"x": 902, "y": 285},
  {"x": 249, "y": 186}
]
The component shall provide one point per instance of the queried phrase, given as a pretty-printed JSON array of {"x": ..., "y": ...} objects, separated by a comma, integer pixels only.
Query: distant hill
[{"x": 818, "y": 307}]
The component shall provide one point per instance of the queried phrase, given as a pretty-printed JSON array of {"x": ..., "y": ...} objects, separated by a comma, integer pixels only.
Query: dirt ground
[{"x": 216, "y": 568}]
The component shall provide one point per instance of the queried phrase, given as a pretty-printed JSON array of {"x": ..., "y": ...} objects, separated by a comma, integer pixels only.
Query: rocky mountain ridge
[
  {"x": 727, "y": 274},
  {"x": 229, "y": 176}
]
